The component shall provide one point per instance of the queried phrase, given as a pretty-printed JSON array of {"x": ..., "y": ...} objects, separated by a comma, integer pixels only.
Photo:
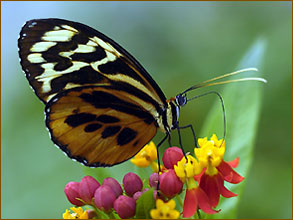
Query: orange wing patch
[{"x": 99, "y": 126}]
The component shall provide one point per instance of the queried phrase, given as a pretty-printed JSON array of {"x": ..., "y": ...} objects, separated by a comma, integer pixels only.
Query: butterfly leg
[
  {"x": 161, "y": 142},
  {"x": 159, "y": 166},
  {"x": 169, "y": 141},
  {"x": 180, "y": 141},
  {"x": 193, "y": 133}
]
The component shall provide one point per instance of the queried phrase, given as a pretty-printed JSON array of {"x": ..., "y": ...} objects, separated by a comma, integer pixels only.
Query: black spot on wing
[
  {"x": 79, "y": 119},
  {"x": 100, "y": 99},
  {"x": 92, "y": 127},
  {"x": 126, "y": 136},
  {"x": 107, "y": 119},
  {"x": 110, "y": 131}
]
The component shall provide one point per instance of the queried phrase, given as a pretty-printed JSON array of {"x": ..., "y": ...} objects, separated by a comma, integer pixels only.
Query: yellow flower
[
  {"x": 165, "y": 210},
  {"x": 210, "y": 154},
  {"x": 78, "y": 213},
  {"x": 187, "y": 169},
  {"x": 145, "y": 156}
]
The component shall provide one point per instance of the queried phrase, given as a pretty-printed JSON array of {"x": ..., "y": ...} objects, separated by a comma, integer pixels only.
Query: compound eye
[{"x": 181, "y": 100}]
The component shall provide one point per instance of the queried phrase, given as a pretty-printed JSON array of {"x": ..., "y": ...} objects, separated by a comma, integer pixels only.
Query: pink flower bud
[
  {"x": 137, "y": 195},
  {"x": 87, "y": 188},
  {"x": 91, "y": 213},
  {"x": 132, "y": 183},
  {"x": 104, "y": 198},
  {"x": 171, "y": 156},
  {"x": 114, "y": 185},
  {"x": 170, "y": 184},
  {"x": 153, "y": 180},
  {"x": 71, "y": 192},
  {"x": 125, "y": 206}
]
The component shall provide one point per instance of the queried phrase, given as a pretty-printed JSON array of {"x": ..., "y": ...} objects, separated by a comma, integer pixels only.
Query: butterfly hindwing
[
  {"x": 98, "y": 125},
  {"x": 57, "y": 55}
]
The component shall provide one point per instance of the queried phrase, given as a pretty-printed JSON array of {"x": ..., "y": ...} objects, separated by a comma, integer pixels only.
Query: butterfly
[{"x": 101, "y": 105}]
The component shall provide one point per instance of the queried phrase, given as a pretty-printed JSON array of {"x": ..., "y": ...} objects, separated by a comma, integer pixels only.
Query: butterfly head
[
  {"x": 181, "y": 100},
  {"x": 170, "y": 121}
]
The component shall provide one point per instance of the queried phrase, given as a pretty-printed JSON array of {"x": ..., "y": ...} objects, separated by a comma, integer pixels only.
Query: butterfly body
[{"x": 102, "y": 106}]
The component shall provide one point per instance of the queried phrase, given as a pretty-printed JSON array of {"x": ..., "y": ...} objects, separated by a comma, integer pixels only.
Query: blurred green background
[{"x": 180, "y": 44}]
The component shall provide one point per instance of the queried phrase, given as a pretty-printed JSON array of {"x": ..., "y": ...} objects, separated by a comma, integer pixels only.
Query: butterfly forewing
[
  {"x": 58, "y": 55},
  {"x": 98, "y": 126}
]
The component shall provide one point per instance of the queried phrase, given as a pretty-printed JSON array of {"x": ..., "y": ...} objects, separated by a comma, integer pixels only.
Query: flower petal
[
  {"x": 234, "y": 163},
  {"x": 223, "y": 190},
  {"x": 209, "y": 184},
  {"x": 190, "y": 203},
  {"x": 229, "y": 174},
  {"x": 204, "y": 203}
]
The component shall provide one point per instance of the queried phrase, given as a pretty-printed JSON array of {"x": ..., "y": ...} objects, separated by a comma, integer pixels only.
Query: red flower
[{"x": 196, "y": 198}]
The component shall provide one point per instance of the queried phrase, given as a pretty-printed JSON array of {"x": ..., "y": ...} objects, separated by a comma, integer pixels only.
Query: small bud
[
  {"x": 171, "y": 156},
  {"x": 114, "y": 185},
  {"x": 170, "y": 184},
  {"x": 71, "y": 192},
  {"x": 137, "y": 195},
  {"x": 132, "y": 183},
  {"x": 91, "y": 213},
  {"x": 153, "y": 180},
  {"x": 104, "y": 198},
  {"x": 125, "y": 206},
  {"x": 87, "y": 188}
]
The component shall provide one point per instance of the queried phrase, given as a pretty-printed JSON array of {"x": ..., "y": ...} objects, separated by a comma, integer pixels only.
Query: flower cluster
[
  {"x": 106, "y": 197},
  {"x": 200, "y": 177},
  {"x": 203, "y": 174}
]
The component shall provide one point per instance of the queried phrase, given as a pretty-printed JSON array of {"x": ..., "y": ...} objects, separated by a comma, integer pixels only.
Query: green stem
[
  {"x": 111, "y": 215},
  {"x": 198, "y": 214},
  {"x": 179, "y": 200}
]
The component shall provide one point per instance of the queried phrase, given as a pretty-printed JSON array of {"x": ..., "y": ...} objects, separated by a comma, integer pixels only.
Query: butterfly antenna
[{"x": 211, "y": 82}]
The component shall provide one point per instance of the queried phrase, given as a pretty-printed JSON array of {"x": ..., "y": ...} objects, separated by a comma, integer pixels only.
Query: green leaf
[
  {"x": 242, "y": 102},
  {"x": 145, "y": 204}
]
